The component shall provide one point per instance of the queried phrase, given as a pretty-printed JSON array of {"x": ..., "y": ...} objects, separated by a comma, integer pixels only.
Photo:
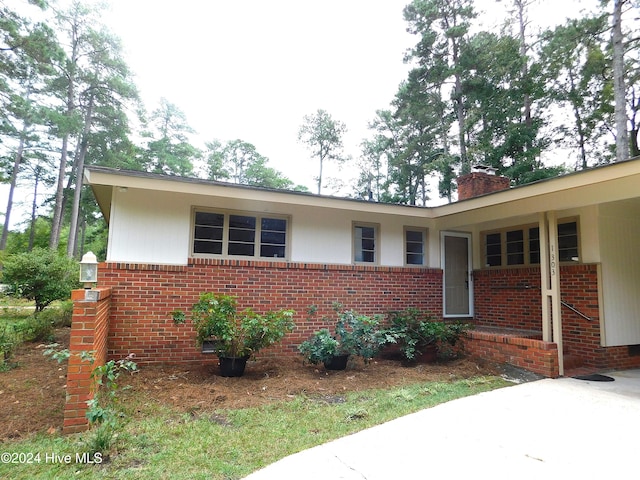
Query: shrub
[
  {"x": 41, "y": 275},
  {"x": 355, "y": 334},
  {"x": 414, "y": 331},
  {"x": 236, "y": 334},
  {"x": 37, "y": 328},
  {"x": 58, "y": 316}
]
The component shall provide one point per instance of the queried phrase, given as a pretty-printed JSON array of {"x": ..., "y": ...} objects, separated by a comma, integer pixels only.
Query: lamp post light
[{"x": 88, "y": 270}]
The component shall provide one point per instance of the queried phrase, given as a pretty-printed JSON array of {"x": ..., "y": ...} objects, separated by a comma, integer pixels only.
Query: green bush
[
  {"x": 355, "y": 334},
  {"x": 414, "y": 330},
  {"x": 58, "y": 316},
  {"x": 8, "y": 342},
  {"x": 41, "y": 275},
  {"x": 37, "y": 328}
]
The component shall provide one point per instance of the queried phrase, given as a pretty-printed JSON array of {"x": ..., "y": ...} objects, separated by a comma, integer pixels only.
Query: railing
[
  {"x": 576, "y": 311},
  {"x": 527, "y": 287}
]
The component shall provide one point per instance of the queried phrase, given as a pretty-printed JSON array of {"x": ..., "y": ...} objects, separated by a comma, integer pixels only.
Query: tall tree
[
  {"x": 442, "y": 26},
  {"x": 240, "y": 161},
  {"x": 73, "y": 23},
  {"x": 576, "y": 59},
  {"x": 619, "y": 85},
  {"x": 107, "y": 88},
  {"x": 26, "y": 53},
  {"x": 323, "y": 137},
  {"x": 169, "y": 150}
]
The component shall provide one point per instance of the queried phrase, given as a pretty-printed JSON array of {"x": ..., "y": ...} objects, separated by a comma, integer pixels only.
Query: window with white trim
[
  {"x": 239, "y": 235},
  {"x": 516, "y": 246},
  {"x": 365, "y": 243},
  {"x": 415, "y": 240}
]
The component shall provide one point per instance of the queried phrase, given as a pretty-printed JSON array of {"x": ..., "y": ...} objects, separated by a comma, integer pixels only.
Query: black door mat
[{"x": 595, "y": 377}]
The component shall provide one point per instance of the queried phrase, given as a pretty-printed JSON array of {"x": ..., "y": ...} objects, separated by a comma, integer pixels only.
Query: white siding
[
  {"x": 148, "y": 227},
  {"x": 619, "y": 239},
  {"x": 155, "y": 227}
]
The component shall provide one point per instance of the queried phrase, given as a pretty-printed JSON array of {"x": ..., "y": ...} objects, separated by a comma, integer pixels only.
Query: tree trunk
[
  {"x": 56, "y": 223},
  {"x": 619, "y": 88},
  {"x": 75, "y": 211},
  {"x": 34, "y": 206},
  {"x": 14, "y": 179}
]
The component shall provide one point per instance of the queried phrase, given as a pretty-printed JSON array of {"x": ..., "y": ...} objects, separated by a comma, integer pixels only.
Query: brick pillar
[{"x": 89, "y": 329}]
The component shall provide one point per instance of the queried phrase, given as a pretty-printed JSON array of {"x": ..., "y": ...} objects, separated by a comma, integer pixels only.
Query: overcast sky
[{"x": 251, "y": 69}]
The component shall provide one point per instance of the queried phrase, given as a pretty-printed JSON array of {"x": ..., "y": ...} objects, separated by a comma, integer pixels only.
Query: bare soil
[{"x": 33, "y": 393}]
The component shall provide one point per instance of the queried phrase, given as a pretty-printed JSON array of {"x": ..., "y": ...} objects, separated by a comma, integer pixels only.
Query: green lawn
[{"x": 157, "y": 442}]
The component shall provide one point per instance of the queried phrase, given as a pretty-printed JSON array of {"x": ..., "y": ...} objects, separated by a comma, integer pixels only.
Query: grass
[{"x": 158, "y": 442}]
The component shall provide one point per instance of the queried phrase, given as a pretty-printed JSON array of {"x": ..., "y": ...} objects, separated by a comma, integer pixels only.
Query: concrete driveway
[{"x": 564, "y": 428}]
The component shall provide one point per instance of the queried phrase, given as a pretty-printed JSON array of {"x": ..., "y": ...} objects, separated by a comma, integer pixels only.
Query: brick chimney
[{"x": 480, "y": 181}]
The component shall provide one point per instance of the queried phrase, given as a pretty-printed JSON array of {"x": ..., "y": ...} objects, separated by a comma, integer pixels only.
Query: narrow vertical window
[
  {"x": 365, "y": 244},
  {"x": 568, "y": 242},
  {"x": 414, "y": 246},
  {"x": 273, "y": 236},
  {"x": 534, "y": 245},
  {"x": 515, "y": 247},
  {"x": 242, "y": 235},
  {"x": 493, "y": 255}
]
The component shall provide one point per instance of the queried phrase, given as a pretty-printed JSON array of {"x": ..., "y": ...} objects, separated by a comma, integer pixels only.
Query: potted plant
[
  {"x": 418, "y": 336},
  {"x": 235, "y": 336},
  {"x": 354, "y": 335}
]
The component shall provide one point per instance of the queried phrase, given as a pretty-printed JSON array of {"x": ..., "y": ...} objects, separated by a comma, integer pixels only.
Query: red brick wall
[
  {"x": 508, "y": 298},
  {"x": 143, "y": 297},
  {"x": 89, "y": 332},
  {"x": 531, "y": 354},
  {"x": 480, "y": 183},
  {"x": 511, "y": 298}
]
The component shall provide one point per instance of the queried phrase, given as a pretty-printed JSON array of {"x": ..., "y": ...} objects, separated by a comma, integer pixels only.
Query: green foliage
[
  {"x": 237, "y": 334},
  {"x": 37, "y": 328},
  {"x": 41, "y": 275},
  {"x": 321, "y": 347},
  {"x": 354, "y": 334},
  {"x": 8, "y": 343},
  {"x": 414, "y": 330},
  {"x": 323, "y": 137},
  {"x": 168, "y": 151},
  {"x": 102, "y": 409},
  {"x": 61, "y": 315},
  {"x": 240, "y": 162}
]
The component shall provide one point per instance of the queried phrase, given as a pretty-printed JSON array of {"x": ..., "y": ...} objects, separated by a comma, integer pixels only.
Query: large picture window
[
  {"x": 239, "y": 235},
  {"x": 521, "y": 245}
]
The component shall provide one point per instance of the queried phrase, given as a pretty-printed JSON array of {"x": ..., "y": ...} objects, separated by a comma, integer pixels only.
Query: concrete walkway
[{"x": 564, "y": 428}]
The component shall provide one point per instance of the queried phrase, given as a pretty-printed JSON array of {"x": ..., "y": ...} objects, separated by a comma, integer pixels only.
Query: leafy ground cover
[{"x": 188, "y": 422}]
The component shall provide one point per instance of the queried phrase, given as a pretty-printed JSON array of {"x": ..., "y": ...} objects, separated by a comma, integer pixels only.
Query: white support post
[
  {"x": 554, "y": 276},
  {"x": 545, "y": 287}
]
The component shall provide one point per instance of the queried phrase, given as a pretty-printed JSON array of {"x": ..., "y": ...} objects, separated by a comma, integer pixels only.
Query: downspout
[{"x": 550, "y": 282}]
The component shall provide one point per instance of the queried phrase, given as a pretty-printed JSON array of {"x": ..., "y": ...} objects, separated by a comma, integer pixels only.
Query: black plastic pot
[
  {"x": 232, "y": 366},
  {"x": 338, "y": 362}
]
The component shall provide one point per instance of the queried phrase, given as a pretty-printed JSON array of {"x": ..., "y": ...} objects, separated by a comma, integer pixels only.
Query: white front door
[{"x": 457, "y": 272}]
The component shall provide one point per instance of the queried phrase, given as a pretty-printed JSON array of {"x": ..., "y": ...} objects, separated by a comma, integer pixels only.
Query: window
[
  {"x": 239, "y": 235},
  {"x": 493, "y": 250},
  {"x": 414, "y": 241},
  {"x": 521, "y": 245},
  {"x": 568, "y": 242},
  {"x": 365, "y": 243},
  {"x": 515, "y": 247}
]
